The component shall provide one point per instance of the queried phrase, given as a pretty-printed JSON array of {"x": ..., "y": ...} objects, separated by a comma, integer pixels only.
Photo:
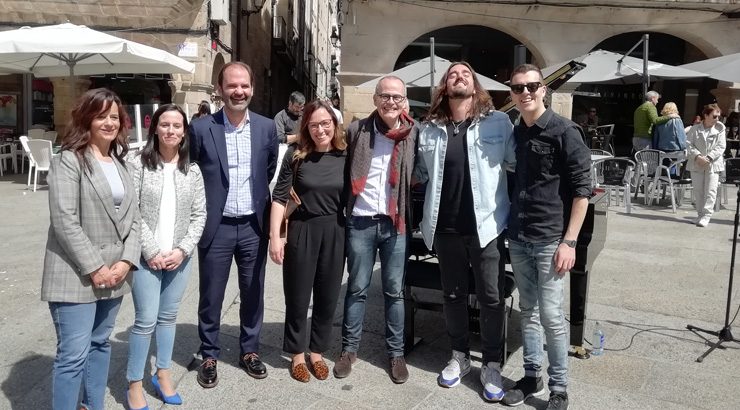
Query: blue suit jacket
[{"x": 208, "y": 150}]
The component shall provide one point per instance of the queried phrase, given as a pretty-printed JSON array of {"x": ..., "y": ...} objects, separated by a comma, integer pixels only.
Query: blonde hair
[{"x": 669, "y": 108}]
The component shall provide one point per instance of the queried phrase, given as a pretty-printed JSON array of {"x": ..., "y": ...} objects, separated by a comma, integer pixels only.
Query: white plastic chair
[
  {"x": 647, "y": 162},
  {"x": 40, "y": 155},
  {"x": 664, "y": 179},
  {"x": 51, "y": 136},
  {"x": 26, "y": 156},
  {"x": 7, "y": 152},
  {"x": 36, "y": 133},
  {"x": 615, "y": 176}
]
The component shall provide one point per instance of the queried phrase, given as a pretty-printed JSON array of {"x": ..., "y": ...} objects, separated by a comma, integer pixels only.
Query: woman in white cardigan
[
  {"x": 173, "y": 213},
  {"x": 706, "y": 144}
]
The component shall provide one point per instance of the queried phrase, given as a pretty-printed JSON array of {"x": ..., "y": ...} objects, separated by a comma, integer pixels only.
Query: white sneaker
[
  {"x": 456, "y": 369},
  {"x": 703, "y": 221},
  {"x": 490, "y": 378}
]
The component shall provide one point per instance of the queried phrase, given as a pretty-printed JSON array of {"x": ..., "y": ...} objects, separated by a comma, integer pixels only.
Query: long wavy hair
[
  {"x": 440, "y": 107},
  {"x": 150, "y": 156},
  {"x": 305, "y": 142},
  {"x": 77, "y": 134}
]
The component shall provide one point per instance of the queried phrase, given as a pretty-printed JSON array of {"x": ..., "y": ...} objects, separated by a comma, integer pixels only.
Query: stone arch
[
  {"x": 411, "y": 36},
  {"x": 218, "y": 63}
]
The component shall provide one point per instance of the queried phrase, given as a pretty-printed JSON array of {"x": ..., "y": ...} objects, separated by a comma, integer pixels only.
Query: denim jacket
[{"x": 491, "y": 152}]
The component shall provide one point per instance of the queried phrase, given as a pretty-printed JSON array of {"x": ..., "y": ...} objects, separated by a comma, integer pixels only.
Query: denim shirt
[
  {"x": 490, "y": 152},
  {"x": 553, "y": 167}
]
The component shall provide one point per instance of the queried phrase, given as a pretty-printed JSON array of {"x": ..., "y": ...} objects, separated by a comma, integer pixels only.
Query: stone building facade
[
  {"x": 287, "y": 43},
  {"x": 375, "y": 33}
]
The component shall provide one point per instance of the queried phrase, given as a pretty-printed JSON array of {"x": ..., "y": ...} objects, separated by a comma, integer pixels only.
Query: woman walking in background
[
  {"x": 706, "y": 141},
  {"x": 173, "y": 213},
  {"x": 313, "y": 255},
  {"x": 92, "y": 245}
]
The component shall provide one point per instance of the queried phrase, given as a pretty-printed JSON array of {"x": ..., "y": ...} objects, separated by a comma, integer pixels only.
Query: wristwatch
[{"x": 572, "y": 244}]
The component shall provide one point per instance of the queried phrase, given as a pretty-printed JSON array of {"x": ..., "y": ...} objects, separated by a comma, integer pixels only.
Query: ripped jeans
[
  {"x": 366, "y": 237},
  {"x": 458, "y": 256}
]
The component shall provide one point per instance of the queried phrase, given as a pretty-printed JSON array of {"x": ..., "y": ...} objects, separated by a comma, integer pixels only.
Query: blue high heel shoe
[
  {"x": 146, "y": 407},
  {"x": 175, "y": 399}
]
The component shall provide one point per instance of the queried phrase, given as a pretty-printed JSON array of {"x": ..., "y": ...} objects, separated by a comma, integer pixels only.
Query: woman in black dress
[{"x": 312, "y": 255}]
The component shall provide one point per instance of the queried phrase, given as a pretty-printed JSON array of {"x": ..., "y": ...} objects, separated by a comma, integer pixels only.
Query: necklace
[{"x": 456, "y": 127}]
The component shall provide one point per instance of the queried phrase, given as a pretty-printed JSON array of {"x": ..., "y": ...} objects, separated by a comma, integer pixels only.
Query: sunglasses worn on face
[
  {"x": 715, "y": 116},
  {"x": 531, "y": 87}
]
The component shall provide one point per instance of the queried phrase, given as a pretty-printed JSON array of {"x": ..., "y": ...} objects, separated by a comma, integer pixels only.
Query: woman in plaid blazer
[{"x": 93, "y": 243}]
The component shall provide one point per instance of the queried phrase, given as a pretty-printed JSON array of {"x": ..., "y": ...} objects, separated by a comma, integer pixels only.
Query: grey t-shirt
[
  {"x": 286, "y": 123},
  {"x": 114, "y": 180}
]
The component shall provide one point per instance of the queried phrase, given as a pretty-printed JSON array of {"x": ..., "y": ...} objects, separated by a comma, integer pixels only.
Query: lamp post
[{"x": 334, "y": 37}]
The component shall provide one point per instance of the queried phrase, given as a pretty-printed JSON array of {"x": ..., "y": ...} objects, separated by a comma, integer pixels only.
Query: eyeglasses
[
  {"x": 715, "y": 116},
  {"x": 395, "y": 97},
  {"x": 531, "y": 87},
  {"x": 326, "y": 124}
]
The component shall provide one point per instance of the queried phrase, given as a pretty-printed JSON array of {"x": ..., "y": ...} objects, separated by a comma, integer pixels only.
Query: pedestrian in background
[
  {"x": 670, "y": 136},
  {"x": 204, "y": 108},
  {"x": 466, "y": 140},
  {"x": 236, "y": 150},
  {"x": 173, "y": 211},
  {"x": 288, "y": 120},
  {"x": 93, "y": 243},
  {"x": 706, "y": 142},
  {"x": 645, "y": 118},
  {"x": 312, "y": 255}
]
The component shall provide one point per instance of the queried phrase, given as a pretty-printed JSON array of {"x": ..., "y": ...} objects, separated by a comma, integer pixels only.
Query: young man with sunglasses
[
  {"x": 464, "y": 150},
  {"x": 548, "y": 205},
  {"x": 380, "y": 154}
]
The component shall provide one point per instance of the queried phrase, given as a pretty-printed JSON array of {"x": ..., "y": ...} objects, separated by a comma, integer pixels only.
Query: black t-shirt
[
  {"x": 320, "y": 183},
  {"x": 456, "y": 212}
]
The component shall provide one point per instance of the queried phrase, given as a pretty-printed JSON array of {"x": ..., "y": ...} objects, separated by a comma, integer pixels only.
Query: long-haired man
[{"x": 464, "y": 149}]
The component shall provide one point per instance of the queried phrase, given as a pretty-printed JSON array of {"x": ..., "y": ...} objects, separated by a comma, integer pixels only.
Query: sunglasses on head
[{"x": 531, "y": 87}]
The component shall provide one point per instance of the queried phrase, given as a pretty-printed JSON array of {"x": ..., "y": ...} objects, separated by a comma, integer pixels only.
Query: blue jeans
[
  {"x": 157, "y": 295},
  {"x": 367, "y": 236},
  {"x": 83, "y": 352},
  {"x": 541, "y": 294}
]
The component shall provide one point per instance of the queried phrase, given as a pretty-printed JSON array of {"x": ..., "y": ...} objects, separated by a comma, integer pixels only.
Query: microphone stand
[{"x": 724, "y": 334}]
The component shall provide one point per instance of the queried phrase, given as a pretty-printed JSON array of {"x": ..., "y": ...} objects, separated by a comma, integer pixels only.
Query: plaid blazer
[{"x": 86, "y": 231}]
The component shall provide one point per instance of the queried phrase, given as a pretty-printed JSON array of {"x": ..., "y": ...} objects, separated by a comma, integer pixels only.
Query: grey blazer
[
  {"x": 86, "y": 232},
  {"x": 190, "y": 215}
]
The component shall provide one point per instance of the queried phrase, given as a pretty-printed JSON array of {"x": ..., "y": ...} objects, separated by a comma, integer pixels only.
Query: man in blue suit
[{"x": 237, "y": 153}]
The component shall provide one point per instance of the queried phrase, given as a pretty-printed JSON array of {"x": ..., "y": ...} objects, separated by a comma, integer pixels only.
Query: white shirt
[
  {"x": 114, "y": 180},
  {"x": 165, "y": 232},
  {"x": 373, "y": 200}
]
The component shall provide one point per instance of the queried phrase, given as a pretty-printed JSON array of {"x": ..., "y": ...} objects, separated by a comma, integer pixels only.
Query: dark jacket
[{"x": 208, "y": 150}]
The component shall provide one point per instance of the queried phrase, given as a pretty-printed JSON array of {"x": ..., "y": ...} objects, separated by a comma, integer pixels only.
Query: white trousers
[{"x": 705, "y": 191}]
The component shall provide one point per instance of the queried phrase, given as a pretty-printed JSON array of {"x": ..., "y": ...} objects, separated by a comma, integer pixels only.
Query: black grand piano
[{"x": 423, "y": 272}]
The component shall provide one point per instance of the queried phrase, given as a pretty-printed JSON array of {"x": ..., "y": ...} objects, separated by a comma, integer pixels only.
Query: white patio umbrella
[
  {"x": 417, "y": 74},
  {"x": 725, "y": 68},
  {"x": 604, "y": 67},
  {"x": 68, "y": 49}
]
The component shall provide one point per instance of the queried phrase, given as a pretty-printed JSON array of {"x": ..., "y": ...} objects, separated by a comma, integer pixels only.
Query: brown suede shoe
[
  {"x": 343, "y": 366},
  {"x": 398, "y": 371},
  {"x": 320, "y": 369},
  {"x": 300, "y": 372}
]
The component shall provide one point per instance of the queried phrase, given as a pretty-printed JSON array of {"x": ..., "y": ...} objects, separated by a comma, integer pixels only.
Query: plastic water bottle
[{"x": 598, "y": 340}]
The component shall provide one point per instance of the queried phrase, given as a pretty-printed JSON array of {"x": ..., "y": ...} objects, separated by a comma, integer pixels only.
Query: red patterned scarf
[{"x": 363, "y": 156}]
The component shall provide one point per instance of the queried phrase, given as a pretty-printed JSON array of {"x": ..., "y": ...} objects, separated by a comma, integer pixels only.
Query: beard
[
  {"x": 240, "y": 105},
  {"x": 457, "y": 93}
]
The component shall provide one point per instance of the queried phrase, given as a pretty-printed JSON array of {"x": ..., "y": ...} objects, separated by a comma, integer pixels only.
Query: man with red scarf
[{"x": 380, "y": 155}]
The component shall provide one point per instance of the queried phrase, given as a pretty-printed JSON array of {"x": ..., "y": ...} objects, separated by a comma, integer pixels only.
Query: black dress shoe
[
  {"x": 208, "y": 373},
  {"x": 253, "y": 365}
]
